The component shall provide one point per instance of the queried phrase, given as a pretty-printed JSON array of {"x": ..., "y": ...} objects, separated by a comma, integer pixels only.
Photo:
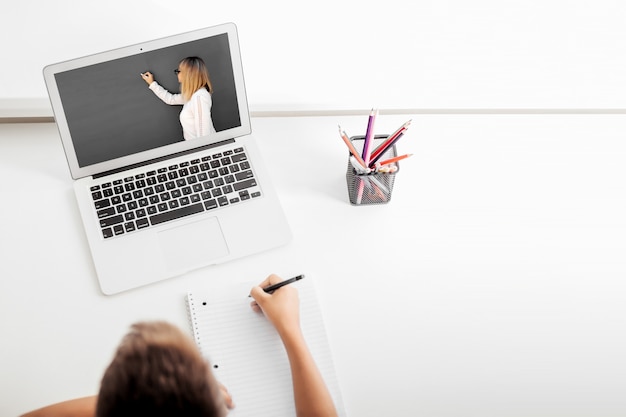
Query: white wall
[{"x": 392, "y": 54}]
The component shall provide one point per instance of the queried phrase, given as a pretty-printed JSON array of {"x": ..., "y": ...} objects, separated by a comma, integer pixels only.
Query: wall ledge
[{"x": 38, "y": 110}]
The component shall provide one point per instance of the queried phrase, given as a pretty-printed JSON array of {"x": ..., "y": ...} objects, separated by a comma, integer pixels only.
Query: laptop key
[
  {"x": 110, "y": 221},
  {"x": 107, "y": 212},
  {"x": 244, "y": 184},
  {"x": 238, "y": 157},
  {"x": 142, "y": 223},
  {"x": 210, "y": 204},
  {"x": 100, "y": 204},
  {"x": 244, "y": 175}
]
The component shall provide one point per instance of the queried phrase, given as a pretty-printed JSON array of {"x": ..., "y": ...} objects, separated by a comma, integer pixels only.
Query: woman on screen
[{"x": 195, "y": 96}]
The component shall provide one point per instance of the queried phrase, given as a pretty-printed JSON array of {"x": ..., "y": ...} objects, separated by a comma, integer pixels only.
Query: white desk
[{"x": 492, "y": 284}]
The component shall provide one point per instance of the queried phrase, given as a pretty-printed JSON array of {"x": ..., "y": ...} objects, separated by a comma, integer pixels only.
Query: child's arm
[
  {"x": 311, "y": 396},
  {"x": 80, "y": 407}
]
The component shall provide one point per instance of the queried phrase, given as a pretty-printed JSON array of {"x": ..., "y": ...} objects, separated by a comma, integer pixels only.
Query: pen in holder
[{"x": 374, "y": 187}]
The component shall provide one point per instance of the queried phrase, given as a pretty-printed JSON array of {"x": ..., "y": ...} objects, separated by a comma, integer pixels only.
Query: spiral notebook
[{"x": 246, "y": 353}]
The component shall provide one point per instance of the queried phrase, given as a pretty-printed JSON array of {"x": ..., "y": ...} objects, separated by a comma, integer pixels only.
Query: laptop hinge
[{"x": 163, "y": 158}]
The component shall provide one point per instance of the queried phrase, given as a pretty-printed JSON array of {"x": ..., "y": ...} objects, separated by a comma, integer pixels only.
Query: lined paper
[{"x": 246, "y": 353}]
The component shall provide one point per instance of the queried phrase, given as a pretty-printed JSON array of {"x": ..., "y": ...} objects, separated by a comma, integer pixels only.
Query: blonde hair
[{"x": 195, "y": 76}]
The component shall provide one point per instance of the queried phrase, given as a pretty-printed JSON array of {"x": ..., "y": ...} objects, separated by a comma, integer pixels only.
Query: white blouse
[{"x": 195, "y": 116}]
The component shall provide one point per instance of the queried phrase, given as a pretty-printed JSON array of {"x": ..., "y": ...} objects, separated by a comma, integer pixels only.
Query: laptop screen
[{"x": 108, "y": 118}]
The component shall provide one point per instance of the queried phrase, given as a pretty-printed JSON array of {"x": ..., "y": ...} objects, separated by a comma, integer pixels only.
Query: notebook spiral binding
[{"x": 193, "y": 320}]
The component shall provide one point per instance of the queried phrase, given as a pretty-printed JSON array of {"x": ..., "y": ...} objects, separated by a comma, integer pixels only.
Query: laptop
[{"x": 155, "y": 205}]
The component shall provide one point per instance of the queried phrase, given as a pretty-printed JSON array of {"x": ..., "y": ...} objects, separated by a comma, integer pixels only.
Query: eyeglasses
[{"x": 176, "y": 71}]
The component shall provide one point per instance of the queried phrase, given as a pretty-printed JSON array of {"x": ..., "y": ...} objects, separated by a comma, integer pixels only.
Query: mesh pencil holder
[{"x": 375, "y": 187}]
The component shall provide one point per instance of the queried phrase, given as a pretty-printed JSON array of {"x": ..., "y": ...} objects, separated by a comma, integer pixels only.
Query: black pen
[{"x": 276, "y": 286}]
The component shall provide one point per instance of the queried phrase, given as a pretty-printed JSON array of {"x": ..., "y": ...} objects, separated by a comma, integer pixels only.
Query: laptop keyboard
[{"x": 186, "y": 188}]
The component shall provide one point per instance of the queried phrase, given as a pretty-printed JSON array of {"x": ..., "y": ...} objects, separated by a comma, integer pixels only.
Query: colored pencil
[
  {"x": 385, "y": 145},
  {"x": 367, "y": 144},
  {"x": 353, "y": 151},
  {"x": 389, "y": 145},
  {"x": 394, "y": 159}
]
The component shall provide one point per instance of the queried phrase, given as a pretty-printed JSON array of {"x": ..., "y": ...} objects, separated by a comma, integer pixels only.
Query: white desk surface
[{"x": 492, "y": 284}]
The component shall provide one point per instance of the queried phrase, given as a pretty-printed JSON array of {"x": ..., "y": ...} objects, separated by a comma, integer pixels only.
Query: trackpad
[{"x": 193, "y": 245}]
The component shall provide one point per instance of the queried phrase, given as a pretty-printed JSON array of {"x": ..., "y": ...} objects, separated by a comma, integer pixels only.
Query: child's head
[
  {"x": 193, "y": 75},
  {"x": 158, "y": 371}
]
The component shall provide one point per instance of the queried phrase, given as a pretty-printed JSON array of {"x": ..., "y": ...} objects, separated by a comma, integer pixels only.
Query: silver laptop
[{"x": 155, "y": 201}]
